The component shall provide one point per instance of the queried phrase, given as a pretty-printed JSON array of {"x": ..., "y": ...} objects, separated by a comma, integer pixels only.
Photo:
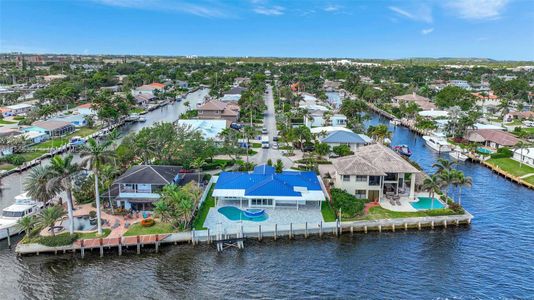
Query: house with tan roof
[
  {"x": 218, "y": 110},
  {"x": 423, "y": 102},
  {"x": 51, "y": 127},
  {"x": 492, "y": 138},
  {"x": 149, "y": 89},
  {"x": 372, "y": 172}
]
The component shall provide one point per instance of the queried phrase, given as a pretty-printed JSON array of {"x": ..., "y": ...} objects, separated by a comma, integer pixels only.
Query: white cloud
[
  {"x": 427, "y": 31},
  {"x": 269, "y": 11},
  {"x": 422, "y": 13},
  {"x": 477, "y": 9},
  {"x": 332, "y": 8},
  {"x": 168, "y": 6}
]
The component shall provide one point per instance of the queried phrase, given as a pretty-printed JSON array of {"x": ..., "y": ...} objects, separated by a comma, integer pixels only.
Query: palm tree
[
  {"x": 113, "y": 136},
  {"x": 279, "y": 166},
  {"x": 431, "y": 185},
  {"x": 94, "y": 155},
  {"x": 322, "y": 149},
  {"x": 443, "y": 165},
  {"x": 62, "y": 171},
  {"x": 249, "y": 133},
  {"x": 26, "y": 223},
  {"x": 447, "y": 178},
  {"x": 107, "y": 174},
  {"x": 522, "y": 146},
  {"x": 460, "y": 181},
  {"x": 198, "y": 163},
  {"x": 49, "y": 216},
  {"x": 36, "y": 184}
]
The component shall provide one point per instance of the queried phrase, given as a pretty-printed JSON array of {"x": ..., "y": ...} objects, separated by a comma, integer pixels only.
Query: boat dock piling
[{"x": 236, "y": 237}]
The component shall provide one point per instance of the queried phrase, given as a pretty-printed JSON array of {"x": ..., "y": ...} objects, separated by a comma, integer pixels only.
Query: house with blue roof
[
  {"x": 346, "y": 137},
  {"x": 263, "y": 187}
]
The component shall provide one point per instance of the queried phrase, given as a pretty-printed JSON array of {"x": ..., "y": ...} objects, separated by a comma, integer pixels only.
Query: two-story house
[
  {"x": 218, "y": 110},
  {"x": 319, "y": 118},
  {"x": 139, "y": 187}
]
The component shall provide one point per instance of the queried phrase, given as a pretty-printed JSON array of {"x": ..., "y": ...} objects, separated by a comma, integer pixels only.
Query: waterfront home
[
  {"x": 423, "y": 102},
  {"x": 349, "y": 138},
  {"x": 372, "y": 172},
  {"x": 182, "y": 84},
  {"x": 491, "y": 138},
  {"x": 35, "y": 137},
  {"x": 139, "y": 187},
  {"x": 52, "y": 128},
  {"x": 317, "y": 118},
  {"x": 148, "y": 89},
  {"x": 6, "y": 112},
  {"x": 75, "y": 120},
  {"x": 210, "y": 129},
  {"x": 518, "y": 115},
  {"x": 461, "y": 84},
  {"x": 8, "y": 132},
  {"x": 525, "y": 155},
  {"x": 21, "y": 108},
  {"x": 85, "y": 109},
  {"x": 143, "y": 99},
  {"x": 233, "y": 95},
  {"x": 263, "y": 187},
  {"x": 218, "y": 110}
]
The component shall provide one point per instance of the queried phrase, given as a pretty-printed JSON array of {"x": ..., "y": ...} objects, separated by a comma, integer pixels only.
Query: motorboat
[
  {"x": 457, "y": 155},
  {"x": 395, "y": 122},
  {"x": 438, "y": 142},
  {"x": 23, "y": 206},
  {"x": 403, "y": 150},
  {"x": 77, "y": 141}
]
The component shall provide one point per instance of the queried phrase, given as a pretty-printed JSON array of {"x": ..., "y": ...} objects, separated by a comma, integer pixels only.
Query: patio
[
  {"x": 310, "y": 213},
  {"x": 402, "y": 204}
]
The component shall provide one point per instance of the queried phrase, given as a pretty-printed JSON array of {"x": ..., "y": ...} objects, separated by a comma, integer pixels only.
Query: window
[
  {"x": 346, "y": 177},
  {"x": 361, "y": 178},
  {"x": 261, "y": 202},
  {"x": 361, "y": 194},
  {"x": 391, "y": 177},
  {"x": 374, "y": 180}
]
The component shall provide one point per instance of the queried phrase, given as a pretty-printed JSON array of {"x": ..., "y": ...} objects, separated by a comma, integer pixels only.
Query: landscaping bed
[{"x": 377, "y": 212}]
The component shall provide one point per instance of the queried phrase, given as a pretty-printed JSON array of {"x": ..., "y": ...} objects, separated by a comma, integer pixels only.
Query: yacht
[
  {"x": 24, "y": 206},
  {"x": 438, "y": 142},
  {"x": 457, "y": 155}
]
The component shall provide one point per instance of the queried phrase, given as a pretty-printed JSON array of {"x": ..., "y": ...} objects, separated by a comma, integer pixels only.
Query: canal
[{"x": 492, "y": 258}]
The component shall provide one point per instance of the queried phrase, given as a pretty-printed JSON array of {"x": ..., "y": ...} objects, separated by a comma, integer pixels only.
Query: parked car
[
  {"x": 275, "y": 146},
  {"x": 308, "y": 147},
  {"x": 236, "y": 126},
  {"x": 264, "y": 130},
  {"x": 275, "y": 139}
]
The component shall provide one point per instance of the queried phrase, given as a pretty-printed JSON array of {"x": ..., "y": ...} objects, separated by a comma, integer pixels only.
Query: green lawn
[
  {"x": 511, "y": 166},
  {"x": 255, "y": 145},
  {"x": 6, "y": 167},
  {"x": 92, "y": 235},
  {"x": 137, "y": 110},
  {"x": 378, "y": 212},
  {"x": 328, "y": 212},
  {"x": 58, "y": 142},
  {"x": 158, "y": 228},
  {"x": 29, "y": 156},
  {"x": 2, "y": 121},
  {"x": 198, "y": 223}
]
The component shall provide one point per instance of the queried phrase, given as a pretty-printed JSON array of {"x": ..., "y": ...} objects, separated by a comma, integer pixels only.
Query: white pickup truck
[{"x": 265, "y": 141}]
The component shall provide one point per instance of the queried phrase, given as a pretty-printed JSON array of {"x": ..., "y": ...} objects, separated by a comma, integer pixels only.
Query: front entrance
[{"x": 373, "y": 195}]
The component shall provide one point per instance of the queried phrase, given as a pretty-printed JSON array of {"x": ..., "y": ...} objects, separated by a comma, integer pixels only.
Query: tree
[
  {"x": 198, "y": 163},
  {"x": 94, "y": 155},
  {"x": 37, "y": 184},
  {"x": 62, "y": 171},
  {"x": 460, "y": 181},
  {"x": 379, "y": 133},
  {"x": 431, "y": 185},
  {"x": 26, "y": 223},
  {"x": 279, "y": 166},
  {"x": 455, "y": 96},
  {"x": 447, "y": 177},
  {"x": 302, "y": 133},
  {"x": 48, "y": 217},
  {"x": 443, "y": 165},
  {"x": 322, "y": 149},
  {"x": 177, "y": 204},
  {"x": 521, "y": 146},
  {"x": 249, "y": 132},
  {"x": 342, "y": 150}
]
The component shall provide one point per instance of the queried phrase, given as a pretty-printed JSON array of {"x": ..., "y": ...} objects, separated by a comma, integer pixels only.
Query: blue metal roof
[
  {"x": 342, "y": 136},
  {"x": 263, "y": 181}
]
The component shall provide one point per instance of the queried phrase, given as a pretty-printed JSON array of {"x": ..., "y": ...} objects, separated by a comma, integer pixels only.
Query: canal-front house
[
  {"x": 264, "y": 187},
  {"x": 372, "y": 172},
  {"x": 139, "y": 187}
]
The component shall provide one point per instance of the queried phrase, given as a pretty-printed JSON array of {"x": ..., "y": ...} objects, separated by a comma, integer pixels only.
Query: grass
[
  {"x": 2, "y": 121},
  {"x": 198, "y": 223},
  {"x": 328, "y": 212},
  {"x": 58, "y": 142},
  {"x": 512, "y": 167},
  {"x": 92, "y": 235},
  {"x": 255, "y": 145},
  {"x": 137, "y": 110},
  {"x": 158, "y": 228},
  {"x": 378, "y": 212},
  {"x": 29, "y": 156},
  {"x": 6, "y": 167}
]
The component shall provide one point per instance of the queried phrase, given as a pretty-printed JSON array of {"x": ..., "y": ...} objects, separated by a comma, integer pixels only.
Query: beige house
[
  {"x": 423, "y": 102},
  {"x": 372, "y": 172},
  {"x": 218, "y": 110}
]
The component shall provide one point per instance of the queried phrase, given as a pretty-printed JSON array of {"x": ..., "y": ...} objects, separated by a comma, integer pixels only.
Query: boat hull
[{"x": 435, "y": 146}]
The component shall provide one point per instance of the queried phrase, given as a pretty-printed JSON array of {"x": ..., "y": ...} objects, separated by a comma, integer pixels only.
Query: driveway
[{"x": 269, "y": 121}]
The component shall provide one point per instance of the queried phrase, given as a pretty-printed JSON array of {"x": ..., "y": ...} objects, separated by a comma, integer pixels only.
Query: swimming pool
[
  {"x": 233, "y": 213},
  {"x": 425, "y": 203},
  {"x": 484, "y": 150},
  {"x": 82, "y": 223}
]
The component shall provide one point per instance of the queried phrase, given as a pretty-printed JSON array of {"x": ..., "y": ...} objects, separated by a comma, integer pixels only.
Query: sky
[{"x": 497, "y": 29}]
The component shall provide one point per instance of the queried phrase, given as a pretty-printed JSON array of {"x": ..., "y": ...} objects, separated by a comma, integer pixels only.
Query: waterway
[{"x": 492, "y": 258}]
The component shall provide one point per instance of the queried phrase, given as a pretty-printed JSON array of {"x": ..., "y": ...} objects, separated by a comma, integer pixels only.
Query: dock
[{"x": 236, "y": 237}]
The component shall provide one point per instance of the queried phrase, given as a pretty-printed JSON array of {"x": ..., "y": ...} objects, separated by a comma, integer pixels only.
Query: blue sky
[{"x": 499, "y": 29}]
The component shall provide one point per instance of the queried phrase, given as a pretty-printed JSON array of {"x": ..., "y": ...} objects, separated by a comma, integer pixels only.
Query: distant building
[
  {"x": 349, "y": 138},
  {"x": 461, "y": 84},
  {"x": 423, "y": 102},
  {"x": 19, "y": 109},
  {"x": 86, "y": 109},
  {"x": 52, "y": 128},
  {"x": 210, "y": 129},
  {"x": 149, "y": 89},
  {"x": 54, "y": 77},
  {"x": 218, "y": 110},
  {"x": 182, "y": 84},
  {"x": 492, "y": 138},
  {"x": 75, "y": 120}
]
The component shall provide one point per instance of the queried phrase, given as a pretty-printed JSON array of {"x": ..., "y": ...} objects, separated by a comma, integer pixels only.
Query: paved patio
[
  {"x": 280, "y": 215},
  {"x": 405, "y": 205}
]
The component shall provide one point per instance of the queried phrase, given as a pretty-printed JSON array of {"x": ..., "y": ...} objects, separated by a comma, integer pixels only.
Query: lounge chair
[
  {"x": 391, "y": 202},
  {"x": 398, "y": 202}
]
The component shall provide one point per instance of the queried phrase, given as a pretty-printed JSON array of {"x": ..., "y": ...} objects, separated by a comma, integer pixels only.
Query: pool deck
[{"x": 405, "y": 203}]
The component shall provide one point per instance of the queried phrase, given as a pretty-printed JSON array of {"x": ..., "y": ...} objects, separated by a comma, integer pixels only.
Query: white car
[{"x": 275, "y": 146}]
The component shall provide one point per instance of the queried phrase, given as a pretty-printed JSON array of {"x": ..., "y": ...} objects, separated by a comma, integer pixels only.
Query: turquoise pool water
[
  {"x": 425, "y": 203},
  {"x": 235, "y": 214},
  {"x": 484, "y": 150}
]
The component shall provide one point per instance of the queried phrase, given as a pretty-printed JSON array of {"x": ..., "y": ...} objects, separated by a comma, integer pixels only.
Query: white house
[
  {"x": 36, "y": 137},
  {"x": 349, "y": 138},
  {"x": 317, "y": 118},
  {"x": 210, "y": 129},
  {"x": 148, "y": 89},
  {"x": 525, "y": 156},
  {"x": 86, "y": 109},
  {"x": 21, "y": 108}
]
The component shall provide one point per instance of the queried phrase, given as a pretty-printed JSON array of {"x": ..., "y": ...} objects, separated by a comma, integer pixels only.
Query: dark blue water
[{"x": 493, "y": 258}]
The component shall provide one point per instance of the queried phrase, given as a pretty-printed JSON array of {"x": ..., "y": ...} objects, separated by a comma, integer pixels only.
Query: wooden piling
[
  {"x": 138, "y": 246},
  {"x": 290, "y": 230},
  {"x": 445, "y": 223},
  {"x": 275, "y": 231},
  {"x": 8, "y": 238},
  {"x": 393, "y": 227},
  {"x": 405, "y": 226},
  {"x": 101, "y": 248},
  {"x": 419, "y": 225},
  {"x": 82, "y": 249},
  {"x": 306, "y": 230},
  {"x": 351, "y": 229},
  {"x": 259, "y": 232},
  {"x": 120, "y": 246},
  {"x": 365, "y": 228},
  {"x": 432, "y": 224},
  {"x": 157, "y": 243},
  {"x": 321, "y": 229},
  {"x": 379, "y": 228}
]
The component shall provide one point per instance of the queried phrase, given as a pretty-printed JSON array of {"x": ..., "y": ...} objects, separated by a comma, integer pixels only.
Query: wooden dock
[{"x": 237, "y": 236}]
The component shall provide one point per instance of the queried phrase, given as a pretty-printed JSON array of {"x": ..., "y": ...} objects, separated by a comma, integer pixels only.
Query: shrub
[
  {"x": 92, "y": 214},
  {"x": 148, "y": 222},
  {"x": 502, "y": 153},
  {"x": 350, "y": 206},
  {"x": 457, "y": 208},
  {"x": 15, "y": 159},
  {"x": 58, "y": 240}
]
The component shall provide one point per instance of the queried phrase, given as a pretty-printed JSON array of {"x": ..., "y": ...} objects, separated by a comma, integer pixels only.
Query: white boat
[
  {"x": 438, "y": 142},
  {"x": 24, "y": 206},
  {"x": 458, "y": 155},
  {"x": 395, "y": 122}
]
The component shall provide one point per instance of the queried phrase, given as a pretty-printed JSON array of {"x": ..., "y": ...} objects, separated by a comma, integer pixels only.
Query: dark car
[
  {"x": 308, "y": 147},
  {"x": 236, "y": 126},
  {"x": 275, "y": 139}
]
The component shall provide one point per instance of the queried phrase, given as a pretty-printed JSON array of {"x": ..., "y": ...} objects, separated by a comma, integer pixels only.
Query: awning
[{"x": 138, "y": 200}]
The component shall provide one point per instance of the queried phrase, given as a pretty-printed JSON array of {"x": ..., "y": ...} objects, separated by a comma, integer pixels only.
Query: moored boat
[
  {"x": 437, "y": 142},
  {"x": 403, "y": 150},
  {"x": 23, "y": 206},
  {"x": 457, "y": 155}
]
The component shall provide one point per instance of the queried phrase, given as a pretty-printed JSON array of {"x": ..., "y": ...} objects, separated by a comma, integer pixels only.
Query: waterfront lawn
[
  {"x": 512, "y": 167},
  {"x": 157, "y": 228},
  {"x": 6, "y": 167},
  {"x": 377, "y": 212},
  {"x": 58, "y": 142},
  {"x": 4, "y": 122},
  {"x": 92, "y": 235},
  {"x": 328, "y": 212},
  {"x": 202, "y": 213},
  {"x": 29, "y": 156}
]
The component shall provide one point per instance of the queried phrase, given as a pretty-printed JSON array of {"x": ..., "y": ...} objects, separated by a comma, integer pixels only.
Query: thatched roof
[{"x": 373, "y": 160}]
